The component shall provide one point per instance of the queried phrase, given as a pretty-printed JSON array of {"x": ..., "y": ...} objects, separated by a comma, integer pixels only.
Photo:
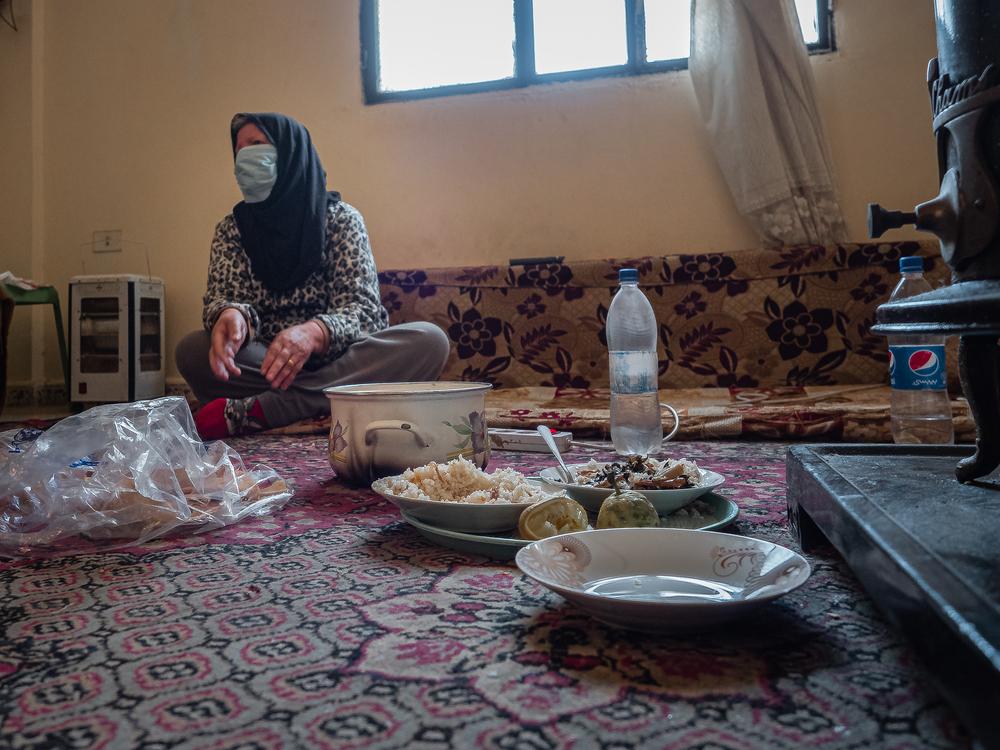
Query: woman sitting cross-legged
[{"x": 292, "y": 304}]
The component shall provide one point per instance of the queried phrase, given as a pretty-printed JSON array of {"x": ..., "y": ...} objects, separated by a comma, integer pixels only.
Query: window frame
[{"x": 524, "y": 55}]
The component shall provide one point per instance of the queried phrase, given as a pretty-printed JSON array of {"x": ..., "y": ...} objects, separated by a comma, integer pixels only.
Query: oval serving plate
[
  {"x": 719, "y": 512},
  {"x": 663, "y": 579},
  {"x": 665, "y": 501},
  {"x": 456, "y": 516}
]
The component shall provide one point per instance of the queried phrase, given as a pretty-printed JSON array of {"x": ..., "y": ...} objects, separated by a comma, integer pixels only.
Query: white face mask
[{"x": 256, "y": 170}]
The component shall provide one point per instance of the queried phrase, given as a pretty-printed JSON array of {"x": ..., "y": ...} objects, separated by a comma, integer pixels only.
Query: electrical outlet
[{"x": 107, "y": 241}]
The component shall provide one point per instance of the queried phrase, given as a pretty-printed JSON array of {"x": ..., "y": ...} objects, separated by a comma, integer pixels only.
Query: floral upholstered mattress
[{"x": 754, "y": 343}]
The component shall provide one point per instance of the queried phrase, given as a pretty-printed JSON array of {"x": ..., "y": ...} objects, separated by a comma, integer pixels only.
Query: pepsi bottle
[{"x": 920, "y": 409}]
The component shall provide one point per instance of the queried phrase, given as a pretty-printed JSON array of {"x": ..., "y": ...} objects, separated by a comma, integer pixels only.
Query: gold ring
[{"x": 291, "y": 360}]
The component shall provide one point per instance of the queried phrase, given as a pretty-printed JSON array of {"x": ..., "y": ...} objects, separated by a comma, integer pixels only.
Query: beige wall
[
  {"x": 138, "y": 95},
  {"x": 15, "y": 177}
]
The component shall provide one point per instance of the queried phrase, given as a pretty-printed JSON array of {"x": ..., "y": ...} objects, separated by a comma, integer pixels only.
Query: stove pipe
[{"x": 964, "y": 85}]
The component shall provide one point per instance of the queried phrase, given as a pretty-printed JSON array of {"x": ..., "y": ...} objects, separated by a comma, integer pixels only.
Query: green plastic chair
[{"x": 44, "y": 295}]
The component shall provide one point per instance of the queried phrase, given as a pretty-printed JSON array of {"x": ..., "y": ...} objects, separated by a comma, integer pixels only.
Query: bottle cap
[
  {"x": 628, "y": 274},
  {"x": 911, "y": 263}
]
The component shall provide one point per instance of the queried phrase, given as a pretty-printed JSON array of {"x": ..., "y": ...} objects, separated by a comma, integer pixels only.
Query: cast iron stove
[{"x": 925, "y": 546}]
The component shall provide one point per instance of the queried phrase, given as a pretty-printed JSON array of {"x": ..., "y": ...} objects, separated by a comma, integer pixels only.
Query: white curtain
[{"x": 755, "y": 88}]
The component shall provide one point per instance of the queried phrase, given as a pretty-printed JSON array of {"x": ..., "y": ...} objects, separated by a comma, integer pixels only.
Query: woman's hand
[
  {"x": 289, "y": 352},
  {"x": 228, "y": 335}
]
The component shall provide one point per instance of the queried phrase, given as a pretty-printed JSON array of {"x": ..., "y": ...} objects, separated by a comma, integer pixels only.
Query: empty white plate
[{"x": 658, "y": 579}]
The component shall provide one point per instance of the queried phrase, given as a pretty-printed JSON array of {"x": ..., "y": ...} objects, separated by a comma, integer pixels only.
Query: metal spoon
[{"x": 564, "y": 471}]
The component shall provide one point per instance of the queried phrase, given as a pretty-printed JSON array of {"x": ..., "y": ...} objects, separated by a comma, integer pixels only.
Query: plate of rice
[{"x": 459, "y": 496}]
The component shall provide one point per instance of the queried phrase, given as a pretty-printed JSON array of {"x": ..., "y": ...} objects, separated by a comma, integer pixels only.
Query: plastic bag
[{"x": 123, "y": 474}]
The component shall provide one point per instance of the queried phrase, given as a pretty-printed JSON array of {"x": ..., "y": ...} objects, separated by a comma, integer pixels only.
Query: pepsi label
[{"x": 917, "y": 368}]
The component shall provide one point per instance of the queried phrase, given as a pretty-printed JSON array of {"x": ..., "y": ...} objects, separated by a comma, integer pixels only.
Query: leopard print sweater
[{"x": 342, "y": 294}]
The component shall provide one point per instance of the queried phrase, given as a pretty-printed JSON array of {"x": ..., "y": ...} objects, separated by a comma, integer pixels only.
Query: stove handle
[
  {"x": 880, "y": 220},
  {"x": 939, "y": 215}
]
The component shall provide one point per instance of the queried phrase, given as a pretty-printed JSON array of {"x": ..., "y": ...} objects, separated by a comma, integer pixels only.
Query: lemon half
[{"x": 557, "y": 515}]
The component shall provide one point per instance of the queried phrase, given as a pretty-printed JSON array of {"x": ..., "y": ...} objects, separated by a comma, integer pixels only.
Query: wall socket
[{"x": 107, "y": 241}]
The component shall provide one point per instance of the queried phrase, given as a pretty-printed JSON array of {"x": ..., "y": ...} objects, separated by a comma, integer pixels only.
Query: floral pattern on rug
[
  {"x": 332, "y": 624},
  {"x": 792, "y": 316}
]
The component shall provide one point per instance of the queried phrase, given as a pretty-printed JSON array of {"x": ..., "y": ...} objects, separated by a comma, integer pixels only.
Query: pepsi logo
[
  {"x": 924, "y": 363},
  {"x": 892, "y": 363}
]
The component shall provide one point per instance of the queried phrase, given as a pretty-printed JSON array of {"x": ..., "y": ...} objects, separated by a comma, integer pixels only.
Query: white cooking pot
[{"x": 379, "y": 429}]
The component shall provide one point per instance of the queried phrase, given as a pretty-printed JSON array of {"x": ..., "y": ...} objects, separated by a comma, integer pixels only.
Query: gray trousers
[{"x": 401, "y": 353}]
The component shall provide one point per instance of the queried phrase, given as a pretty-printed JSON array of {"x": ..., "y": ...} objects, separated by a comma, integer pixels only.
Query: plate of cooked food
[
  {"x": 709, "y": 511},
  {"x": 458, "y": 505},
  {"x": 668, "y": 484},
  {"x": 459, "y": 496}
]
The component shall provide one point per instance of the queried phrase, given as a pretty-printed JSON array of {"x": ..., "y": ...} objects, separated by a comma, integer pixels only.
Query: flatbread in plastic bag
[{"x": 123, "y": 474}]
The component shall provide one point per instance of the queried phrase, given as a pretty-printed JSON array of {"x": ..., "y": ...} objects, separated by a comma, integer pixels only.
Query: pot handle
[
  {"x": 677, "y": 420},
  {"x": 395, "y": 424}
]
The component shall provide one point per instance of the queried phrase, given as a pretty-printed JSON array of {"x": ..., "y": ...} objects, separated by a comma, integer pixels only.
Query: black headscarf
[{"x": 284, "y": 234}]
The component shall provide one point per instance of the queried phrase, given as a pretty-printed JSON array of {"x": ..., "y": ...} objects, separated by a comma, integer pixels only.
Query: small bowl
[
  {"x": 663, "y": 579},
  {"x": 455, "y": 516},
  {"x": 665, "y": 501}
]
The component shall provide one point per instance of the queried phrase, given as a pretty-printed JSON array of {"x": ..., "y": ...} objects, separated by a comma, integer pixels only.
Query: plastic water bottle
[
  {"x": 920, "y": 408},
  {"x": 635, "y": 405}
]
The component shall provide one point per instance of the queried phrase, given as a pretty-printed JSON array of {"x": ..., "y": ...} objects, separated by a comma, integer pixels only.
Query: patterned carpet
[{"x": 334, "y": 625}]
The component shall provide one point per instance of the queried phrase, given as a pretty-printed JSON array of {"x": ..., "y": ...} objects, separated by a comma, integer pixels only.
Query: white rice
[
  {"x": 693, "y": 516},
  {"x": 461, "y": 481}
]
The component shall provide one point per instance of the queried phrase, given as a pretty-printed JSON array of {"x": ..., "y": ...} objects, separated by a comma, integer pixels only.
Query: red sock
[
  {"x": 215, "y": 420},
  {"x": 255, "y": 417},
  {"x": 211, "y": 420}
]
